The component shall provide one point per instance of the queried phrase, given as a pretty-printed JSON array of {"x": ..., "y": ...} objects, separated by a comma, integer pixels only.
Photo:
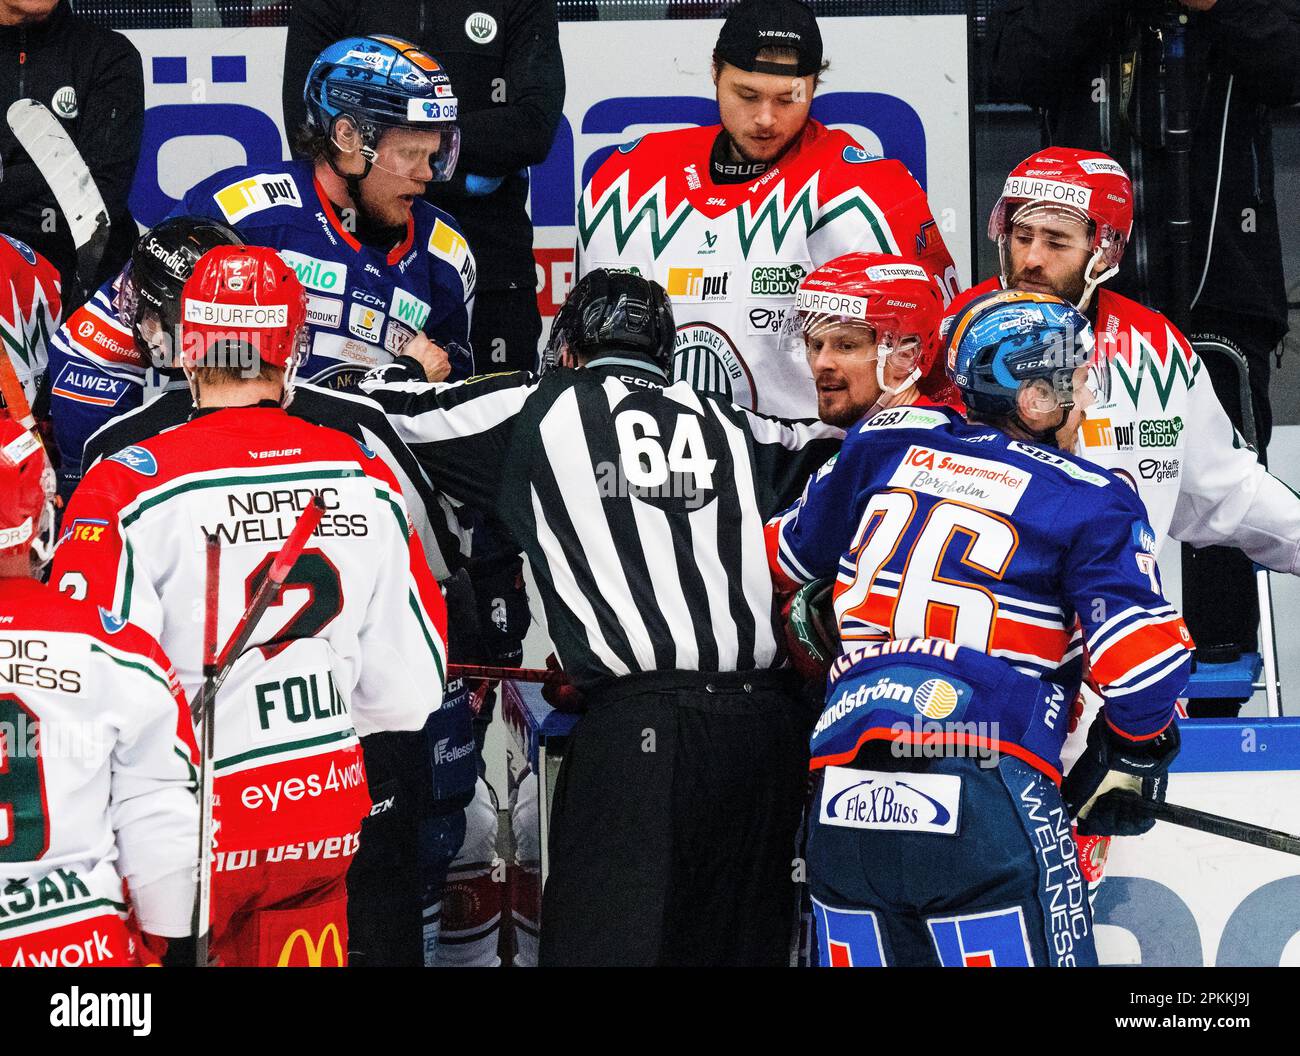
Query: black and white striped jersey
[
  {"x": 432, "y": 515},
  {"x": 640, "y": 505}
]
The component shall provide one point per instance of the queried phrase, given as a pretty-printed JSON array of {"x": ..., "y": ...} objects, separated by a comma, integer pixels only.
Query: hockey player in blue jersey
[
  {"x": 974, "y": 565},
  {"x": 382, "y": 267}
]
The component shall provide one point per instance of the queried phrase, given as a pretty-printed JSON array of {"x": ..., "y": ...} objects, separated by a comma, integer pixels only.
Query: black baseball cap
[{"x": 753, "y": 25}]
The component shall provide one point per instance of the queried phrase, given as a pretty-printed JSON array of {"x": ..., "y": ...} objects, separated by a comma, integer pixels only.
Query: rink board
[{"x": 1180, "y": 897}]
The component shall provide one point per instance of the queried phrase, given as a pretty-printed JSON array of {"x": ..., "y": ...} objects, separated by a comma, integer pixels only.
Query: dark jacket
[
  {"x": 511, "y": 93},
  {"x": 104, "y": 114},
  {"x": 1243, "y": 57}
]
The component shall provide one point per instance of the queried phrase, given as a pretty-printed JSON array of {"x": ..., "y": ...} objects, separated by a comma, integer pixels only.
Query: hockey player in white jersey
[
  {"x": 97, "y": 757},
  {"x": 355, "y": 645},
  {"x": 730, "y": 218}
]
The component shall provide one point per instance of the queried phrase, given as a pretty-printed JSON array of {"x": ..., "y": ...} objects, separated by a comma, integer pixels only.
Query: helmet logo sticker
[
  {"x": 65, "y": 102},
  {"x": 481, "y": 28}
]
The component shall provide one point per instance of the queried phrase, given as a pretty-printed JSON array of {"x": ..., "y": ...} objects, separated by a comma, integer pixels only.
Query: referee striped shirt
[{"x": 640, "y": 504}]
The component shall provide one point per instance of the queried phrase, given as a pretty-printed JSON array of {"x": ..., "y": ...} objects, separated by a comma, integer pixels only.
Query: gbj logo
[{"x": 313, "y": 949}]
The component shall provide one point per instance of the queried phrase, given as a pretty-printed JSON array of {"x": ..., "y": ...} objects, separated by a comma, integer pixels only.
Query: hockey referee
[{"x": 640, "y": 505}]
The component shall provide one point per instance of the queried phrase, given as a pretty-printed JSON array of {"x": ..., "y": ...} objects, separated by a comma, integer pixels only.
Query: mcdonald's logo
[{"x": 313, "y": 949}]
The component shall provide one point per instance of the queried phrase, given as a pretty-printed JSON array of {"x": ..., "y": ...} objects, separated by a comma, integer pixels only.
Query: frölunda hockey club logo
[{"x": 705, "y": 358}]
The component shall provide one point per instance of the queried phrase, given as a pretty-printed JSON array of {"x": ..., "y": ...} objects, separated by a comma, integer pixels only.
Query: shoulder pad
[
  {"x": 906, "y": 418},
  {"x": 1065, "y": 465}
]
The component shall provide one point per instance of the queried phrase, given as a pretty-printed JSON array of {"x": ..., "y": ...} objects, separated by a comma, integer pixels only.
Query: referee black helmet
[{"x": 614, "y": 312}]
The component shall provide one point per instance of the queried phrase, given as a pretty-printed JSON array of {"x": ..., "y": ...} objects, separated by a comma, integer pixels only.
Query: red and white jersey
[
  {"x": 31, "y": 308},
  {"x": 1164, "y": 430},
  {"x": 731, "y": 256},
  {"x": 355, "y": 643},
  {"x": 97, "y": 769}
]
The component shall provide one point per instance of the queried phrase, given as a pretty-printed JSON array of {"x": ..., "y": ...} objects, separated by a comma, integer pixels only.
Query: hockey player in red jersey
[
  {"x": 97, "y": 755},
  {"x": 31, "y": 308},
  {"x": 868, "y": 326},
  {"x": 730, "y": 218},
  {"x": 355, "y": 644},
  {"x": 1062, "y": 225}
]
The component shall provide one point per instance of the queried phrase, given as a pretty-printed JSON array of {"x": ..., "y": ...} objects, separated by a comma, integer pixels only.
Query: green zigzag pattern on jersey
[
  {"x": 803, "y": 206},
  {"x": 19, "y": 344},
  {"x": 613, "y": 205},
  {"x": 1162, "y": 376}
]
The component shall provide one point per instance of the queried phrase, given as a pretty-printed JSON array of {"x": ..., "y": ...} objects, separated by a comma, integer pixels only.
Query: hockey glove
[
  {"x": 1110, "y": 763},
  {"x": 811, "y": 633},
  {"x": 558, "y": 691}
]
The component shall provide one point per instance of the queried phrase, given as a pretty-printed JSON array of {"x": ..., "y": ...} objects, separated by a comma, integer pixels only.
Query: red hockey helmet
[
  {"x": 243, "y": 295},
  {"x": 26, "y": 494},
  {"x": 1085, "y": 185},
  {"x": 896, "y": 299}
]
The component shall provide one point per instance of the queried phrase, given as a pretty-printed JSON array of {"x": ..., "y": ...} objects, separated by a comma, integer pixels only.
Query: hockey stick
[
  {"x": 1217, "y": 825},
  {"x": 266, "y": 594},
  {"x": 48, "y": 144},
  {"x": 207, "y": 756},
  {"x": 488, "y": 673}
]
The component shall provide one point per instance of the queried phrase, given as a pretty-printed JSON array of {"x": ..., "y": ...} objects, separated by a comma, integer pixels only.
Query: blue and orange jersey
[{"x": 938, "y": 528}]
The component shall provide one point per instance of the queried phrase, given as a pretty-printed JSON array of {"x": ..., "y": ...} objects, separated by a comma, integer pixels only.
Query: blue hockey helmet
[
  {"x": 1011, "y": 340},
  {"x": 381, "y": 83}
]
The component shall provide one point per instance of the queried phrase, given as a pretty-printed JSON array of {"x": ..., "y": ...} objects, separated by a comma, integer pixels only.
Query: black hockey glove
[{"x": 1110, "y": 763}]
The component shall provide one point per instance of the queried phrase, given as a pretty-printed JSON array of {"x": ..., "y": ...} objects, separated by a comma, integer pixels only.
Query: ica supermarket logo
[{"x": 313, "y": 950}]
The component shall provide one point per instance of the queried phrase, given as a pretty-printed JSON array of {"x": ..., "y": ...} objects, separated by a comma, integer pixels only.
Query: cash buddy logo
[
  {"x": 314, "y": 949},
  {"x": 1159, "y": 432},
  {"x": 776, "y": 280}
]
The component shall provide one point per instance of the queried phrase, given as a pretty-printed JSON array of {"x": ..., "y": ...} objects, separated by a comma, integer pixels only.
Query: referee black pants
[{"x": 674, "y": 822}]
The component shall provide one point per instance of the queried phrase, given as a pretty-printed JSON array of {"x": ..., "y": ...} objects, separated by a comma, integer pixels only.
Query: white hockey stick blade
[{"x": 48, "y": 144}]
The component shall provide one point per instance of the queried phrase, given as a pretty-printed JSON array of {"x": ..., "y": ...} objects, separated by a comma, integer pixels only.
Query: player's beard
[{"x": 1071, "y": 292}]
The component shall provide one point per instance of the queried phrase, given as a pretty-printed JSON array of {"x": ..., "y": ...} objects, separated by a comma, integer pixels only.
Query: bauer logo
[
  {"x": 255, "y": 193},
  {"x": 866, "y": 799},
  {"x": 137, "y": 459}
]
